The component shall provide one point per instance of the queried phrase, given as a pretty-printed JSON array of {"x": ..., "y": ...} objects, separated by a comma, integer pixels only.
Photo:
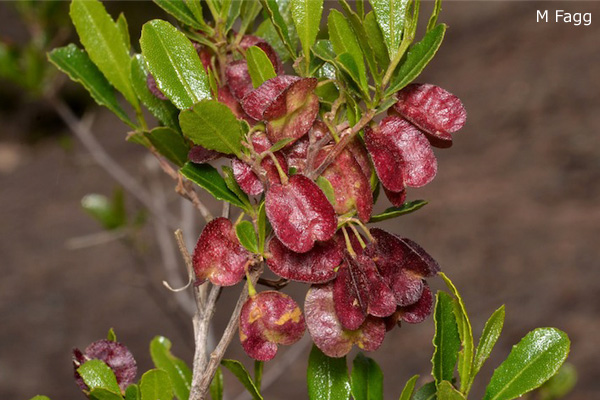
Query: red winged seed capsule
[
  {"x": 226, "y": 97},
  {"x": 257, "y": 101},
  {"x": 327, "y": 331},
  {"x": 219, "y": 256},
  {"x": 246, "y": 178},
  {"x": 268, "y": 319},
  {"x": 315, "y": 266},
  {"x": 202, "y": 155},
  {"x": 238, "y": 79},
  {"x": 300, "y": 213},
  {"x": 396, "y": 198},
  {"x": 388, "y": 162},
  {"x": 114, "y": 354},
  {"x": 432, "y": 109},
  {"x": 414, "y": 313}
]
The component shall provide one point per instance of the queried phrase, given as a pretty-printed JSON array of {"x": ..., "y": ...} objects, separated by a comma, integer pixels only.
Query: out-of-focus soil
[{"x": 513, "y": 218}]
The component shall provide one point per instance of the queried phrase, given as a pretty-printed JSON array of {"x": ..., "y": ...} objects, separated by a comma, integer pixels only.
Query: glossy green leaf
[
  {"x": 96, "y": 374},
  {"x": 437, "y": 8},
  {"x": 348, "y": 64},
  {"x": 216, "y": 386},
  {"x": 103, "y": 41},
  {"x": 306, "y": 15},
  {"x": 280, "y": 25},
  {"x": 111, "y": 335},
  {"x": 247, "y": 236},
  {"x": 258, "y": 373},
  {"x": 207, "y": 177},
  {"x": 260, "y": 67},
  {"x": 163, "y": 110},
  {"x": 156, "y": 385},
  {"x": 376, "y": 40},
  {"x": 262, "y": 224},
  {"x": 234, "y": 13},
  {"x": 446, "y": 340},
  {"x": 390, "y": 15},
  {"x": 447, "y": 392},
  {"x": 174, "y": 63},
  {"x": 179, "y": 373},
  {"x": 560, "y": 384},
  {"x": 327, "y": 377},
  {"x": 238, "y": 369},
  {"x": 531, "y": 362},
  {"x": 124, "y": 29},
  {"x": 248, "y": 14},
  {"x": 170, "y": 144},
  {"x": 465, "y": 357},
  {"x": 418, "y": 56},
  {"x": 327, "y": 188},
  {"x": 281, "y": 144},
  {"x": 344, "y": 40},
  {"x": 104, "y": 394},
  {"x": 393, "y": 212},
  {"x": 180, "y": 10},
  {"x": 212, "y": 125},
  {"x": 77, "y": 64},
  {"x": 133, "y": 392},
  {"x": 40, "y": 397},
  {"x": 409, "y": 388},
  {"x": 366, "y": 379},
  {"x": 235, "y": 188},
  {"x": 489, "y": 336},
  {"x": 195, "y": 6},
  {"x": 426, "y": 392}
]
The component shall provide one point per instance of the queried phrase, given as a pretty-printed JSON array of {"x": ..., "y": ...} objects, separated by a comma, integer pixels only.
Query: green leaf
[
  {"x": 327, "y": 188},
  {"x": 327, "y": 377},
  {"x": 280, "y": 25},
  {"x": 281, "y": 144},
  {"x": 156, "y": 385},
  {"x": 108, "y": 212},
  {"x": 216, "y": 386},
  {"x": 418, "y": 56},
  {"x": 111, "y": 335},
  {"x": 262, "y": 227},
  {"x": 366, "y": 378},
  {"x": 40, "y": 397},
  {"x": 409, "y": 388},
  {"x": 434, "y": 15},
  {"x": 534, "y": 360},
  {"x": 307, "y": 19},
  {"x": 489, "y": 336},
  {"x": 103, "y": 41},
  {"x": 195, "y": 6},
  {"x": 238, "y": 369},
  {"x": 560, "y": 384},
  {"x": 248, "y": 14},
  {"x": 234, "y": 12},
  {"x": 426, "y": 392},
  {"x": 77, "y": 64},
  {"x": 133, "y": 392},
  {"x": 258, "y": 373},
  {"x": 174, "y": 63},
  {"x": 324, "y": 50},
  {"x": 96, "y": 374},
  {"x": 179, "y": 373},
  {"x": 124, "y": 29},
  {"x": 212, "y": 125},
  {"x": 344, "y": 40},
  {"x": 348, "y": 64},
  {"x": 207, "y": 177},
  {"x": 104, "y": 394},
  {"x": 465, "y": 357},
  {"x": 446, "y": 340},
  {"x": 247, "y": 236},
  {"x": 259, "y": 66},
  {"x": 169, "y": 144},
  {"x": 390, "y": 15},
  {"x": 394, "y": 212},
  {"x": 376, "y": 40},
  {"x": 235, "y": 188},
  {"x": 447, "y": 392},
  {"x": 180, "y": 10},
  {"x": 163, "y": 110}
]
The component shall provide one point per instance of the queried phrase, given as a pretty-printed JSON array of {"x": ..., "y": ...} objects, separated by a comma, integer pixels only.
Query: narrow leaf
[
  {"x": 348, "y": 64},
  {"x": 156, "y": 385},
  {"x": 133, "y": 392},
  {"x": 247, "y": 236},
  {"x": 560, "y": 384},
  {"x": 77, "y": 64},
  {"x": 103, "y": 41},
  {"x": 124, "y": 29},
  {"x": 234, "y": 12},
  {"x": 235, "y": 188},
  {"x": 344, "y": 40},
  {"x": 248, "y": 14},
  {"x": 327, "y": 377},
  {"x": 212, "y": 125},
  {"x": 447, "y": 392},
  {"x": 174, "y": 63},
  {"x": 260, "y": 67},
  {"x": 306, "y": 15},
  {"x": 216, "y": 386},
  {"x": 531, "y": 362},
  {"x": 179, "y": 373},
  {"x": 258, "y": 373},
  {"x": 409, "y": 388},
  {"x": 111, "y": 336},
  {"x": 417, "y": 58},
  {"x": 103, "y": 394},
  {"x": 446, "y": 340},
  {"x": 327, "y": 188},
  {"x": 390, "y": 15},
  {"x": 180, "y": 10},
  {"x": 207, "y": 177},
  {"x": 434, "y": 15},
  {"x": 238, "y": 369},
  {"x": 281, "y": 144},
  {"x": 169, "y": 144},
  {"x": 40, "y": 397},
  {"x": 366, "y": 378},
  {"x": 280, "y": 25},
  {"x": 163, "y": 110},
  {"x": 426, "y": 392},
  {"x": 96, "y": 374},
  {"x": 376, "y": 40},
  {"x": 394, "y": 212},
  {"x": 489, "y": 336},
  {"x": 262, "y": 227}
]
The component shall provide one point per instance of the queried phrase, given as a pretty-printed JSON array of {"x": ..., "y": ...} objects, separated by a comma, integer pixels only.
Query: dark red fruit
[
  {"x": 268, "y": 319},
  {"x": 238, "y": 79},
  {"x": 202, "y": 155},
  {"x": 219, "y": 256},
  {"x": 300, "y": 213}
]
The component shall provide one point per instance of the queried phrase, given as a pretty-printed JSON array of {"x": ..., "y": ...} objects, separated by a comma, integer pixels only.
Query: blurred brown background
[{"x": 514, "y": 215}]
